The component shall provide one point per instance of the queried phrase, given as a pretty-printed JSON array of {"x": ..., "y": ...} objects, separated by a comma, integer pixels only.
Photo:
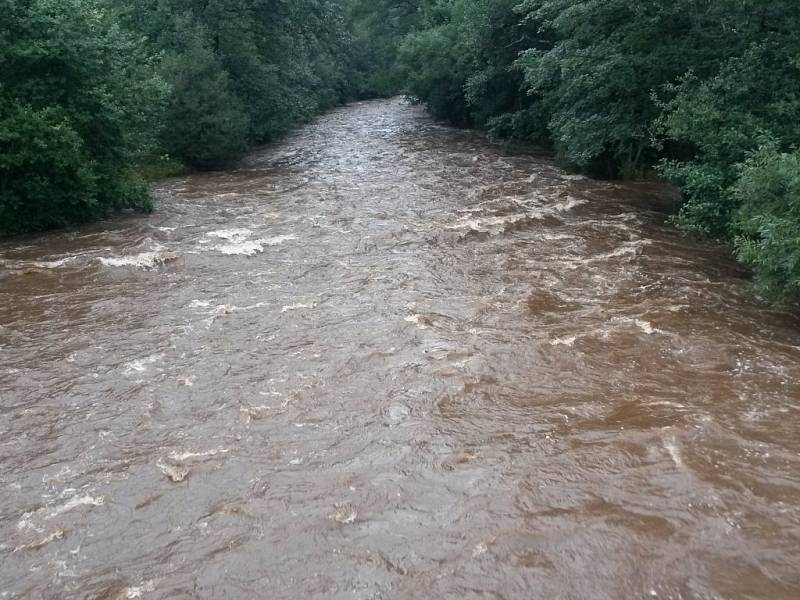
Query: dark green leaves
[{"x": 78, "y": 97}]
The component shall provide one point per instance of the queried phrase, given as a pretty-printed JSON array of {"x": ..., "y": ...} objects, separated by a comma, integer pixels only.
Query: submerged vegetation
[{"x": 706, "y": 93}]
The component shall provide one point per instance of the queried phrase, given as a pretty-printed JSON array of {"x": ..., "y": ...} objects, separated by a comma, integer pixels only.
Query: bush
[
  {"x": 719, "y": 121},
  {"x": 205, "y": 124},
  {"x": 768, "y": 223},
  {"x": 435, "y": 74},
  {"x": 79, "y": 100}
]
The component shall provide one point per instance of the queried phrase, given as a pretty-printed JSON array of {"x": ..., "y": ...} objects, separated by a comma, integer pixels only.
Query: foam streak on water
[{"x": 385, "y": 358}]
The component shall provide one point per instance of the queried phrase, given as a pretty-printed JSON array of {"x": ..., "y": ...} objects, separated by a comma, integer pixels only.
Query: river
[{"x": 388, "y": 359}]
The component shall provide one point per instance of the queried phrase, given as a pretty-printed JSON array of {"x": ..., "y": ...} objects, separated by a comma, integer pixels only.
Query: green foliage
[
  {"x": 718, "y": 121},
  {"x": 597, "y": 80},
  {"x": 155, "y": 168},
  {"x": 707, "y": 92},
  {"x": 767, "y": 224},
  {"x": 379, "y": 27},
  {"x": 95, "y": 89},
  {"x": 620, "y": 87},
  {"x": 205, "y": 124},
  {"x": 460, "y": 63},
  {"x": 496, "y": 90},
  {"x": 78, "y": 101},
  {"x": 435, "y": 74},
  {"x": 242, "y": 71}
]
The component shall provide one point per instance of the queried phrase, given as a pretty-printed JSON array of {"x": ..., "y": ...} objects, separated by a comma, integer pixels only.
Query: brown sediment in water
[{"x": 385, "y": 358}]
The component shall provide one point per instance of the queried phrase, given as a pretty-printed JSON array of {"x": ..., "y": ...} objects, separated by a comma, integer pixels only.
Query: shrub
[
  {"x": 767, "y": 223},
  {"x": 79, "y": 99}
]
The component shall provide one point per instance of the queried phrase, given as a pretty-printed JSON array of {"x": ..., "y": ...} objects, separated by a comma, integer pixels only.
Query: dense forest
[{"x": 96, "y": 95}]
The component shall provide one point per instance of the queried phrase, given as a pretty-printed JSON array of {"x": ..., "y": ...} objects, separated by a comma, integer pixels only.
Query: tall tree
[{"x": 79, "y": 100}]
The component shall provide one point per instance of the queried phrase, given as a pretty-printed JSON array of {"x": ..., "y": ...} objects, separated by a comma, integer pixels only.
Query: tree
[
  {"x": 79, "y": 102},
  {"x": 205, "y": 125},
  {"x": 768, "y": 220},
  {"x": 694, "y": 88},
  {"x": 378, "y": 28},
  {"x": 714, "y": 123}
]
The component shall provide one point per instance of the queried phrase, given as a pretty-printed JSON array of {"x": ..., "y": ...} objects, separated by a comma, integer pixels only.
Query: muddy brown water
[{"x": 387, "y": 359}]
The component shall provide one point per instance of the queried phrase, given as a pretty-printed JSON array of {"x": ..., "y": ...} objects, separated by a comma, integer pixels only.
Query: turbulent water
[{"x": 386, "y": 358}]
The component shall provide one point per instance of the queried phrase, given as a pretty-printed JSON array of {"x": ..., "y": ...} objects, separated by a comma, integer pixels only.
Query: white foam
[
  {"x": 278, "y": 240},
  {"x": 397, "y": 413},
  {"x": 233, "y": 235},
  {"x": 56, "y": 535},
  {"x": 534, "y": 209},
  {"x": 140, "y": 365},
  {"x": 182, "y": 456},
  {"x": 292, "y": 307},
  {"x": 622, "y": 252},
  {"x": 144, "y": 260},
  {"x": 557, "y": 237},
  {"x": 418, "y": 320},
  {"x": 53, "y": 264},
  {"x": 175, "y": 473},
  {"x": 75, "y": 502},
  {"x": 568, "y": 204},
  {"x": 492, "y": 225},
  {"x": 64, "y": 473},
  {"x": 26, "y": 521},
  {"x": 246, "y": 248},
  {"x": 255, "y": 412},
  {"x": 226, "y": 309},
  {"x": 564, "y": 341},
  {"x": 645, "y": 326},
  {"x": 632, "y": 249},
  {"x": 134, "y": 592},
  {"x": 668, "y": 403},
  {"x": 671, "y": 446},
  {"x": 678, "y": 308},
  {"x": 346, "y": 514},
  {"x": 239, "y": 242}
]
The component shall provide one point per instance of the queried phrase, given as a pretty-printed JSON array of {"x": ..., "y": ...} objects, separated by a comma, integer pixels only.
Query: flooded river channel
[{"x": 388, "y": 359}]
